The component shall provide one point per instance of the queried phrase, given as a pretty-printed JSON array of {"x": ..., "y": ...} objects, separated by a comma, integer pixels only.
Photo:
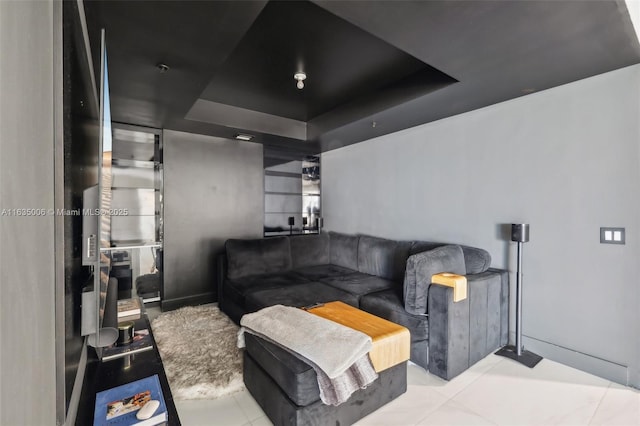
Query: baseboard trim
[
  {"x": 193, "y": 300},
  {"x": 591, "y": 364}
]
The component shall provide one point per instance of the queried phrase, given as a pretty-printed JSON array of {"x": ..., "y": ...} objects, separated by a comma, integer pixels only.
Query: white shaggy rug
[{"x": 199, "y": 353}]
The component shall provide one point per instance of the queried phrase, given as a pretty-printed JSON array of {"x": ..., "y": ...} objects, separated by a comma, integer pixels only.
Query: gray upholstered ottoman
[{"x": 287, "y": 388}]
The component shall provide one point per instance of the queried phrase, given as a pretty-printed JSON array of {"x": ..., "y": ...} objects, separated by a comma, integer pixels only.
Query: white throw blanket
[{"x": 338, "y": 354}]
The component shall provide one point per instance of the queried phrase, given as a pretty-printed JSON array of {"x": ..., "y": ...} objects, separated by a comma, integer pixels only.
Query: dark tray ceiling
[
  {"x": 373, "y": 67},
  {"x": 343, "y": 64}
]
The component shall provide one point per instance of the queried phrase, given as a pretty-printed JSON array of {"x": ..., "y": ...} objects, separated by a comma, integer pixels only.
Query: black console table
[{"x": 101, "y": 376}]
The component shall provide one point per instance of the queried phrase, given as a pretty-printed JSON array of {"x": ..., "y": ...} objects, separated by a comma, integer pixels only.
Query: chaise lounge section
[{"x": 388, "y": 278}]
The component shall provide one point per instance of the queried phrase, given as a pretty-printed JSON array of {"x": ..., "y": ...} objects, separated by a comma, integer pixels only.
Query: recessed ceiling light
[
  {"x": 243, "y": 137},
  {"x": 162, "y": 67}
]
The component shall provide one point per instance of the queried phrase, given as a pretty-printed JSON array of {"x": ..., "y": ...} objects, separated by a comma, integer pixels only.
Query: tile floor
[{"x": 495, "y": 391}]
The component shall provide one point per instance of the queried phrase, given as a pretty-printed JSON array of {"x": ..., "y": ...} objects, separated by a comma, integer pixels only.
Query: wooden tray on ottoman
[{"x": 391, "y": 342}]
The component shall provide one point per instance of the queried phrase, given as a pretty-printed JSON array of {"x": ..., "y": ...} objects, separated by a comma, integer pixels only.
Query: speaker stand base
[{"x": 526, "y": 358}]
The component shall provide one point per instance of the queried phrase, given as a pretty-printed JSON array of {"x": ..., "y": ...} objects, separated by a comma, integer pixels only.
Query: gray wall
[
  {"x": 565, "y": 160},
  {"x": 213, "y": 190},
  {"x": 27, "y": 297}
]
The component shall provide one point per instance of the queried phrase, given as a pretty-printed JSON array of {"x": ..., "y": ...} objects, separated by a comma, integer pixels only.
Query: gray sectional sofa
[{"x": 390, "y": 279}]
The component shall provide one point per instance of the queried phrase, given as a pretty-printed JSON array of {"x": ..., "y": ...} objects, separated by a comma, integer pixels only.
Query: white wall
[
  {"x": 27, "y": 297},
  {"x": 565, "y": 160}
]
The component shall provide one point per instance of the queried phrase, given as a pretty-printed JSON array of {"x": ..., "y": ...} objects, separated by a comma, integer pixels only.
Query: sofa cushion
[
  {"x": 388, "y": 304},
  {"x": 237, "y": 289},
  {"x": 259, "y": 256},
  {"x": 359, "y": 284},
  {"x": 344, "y": 250},
  {"x": 309, "y": 250},
  {"x": 381, "y": 257},
  {"x": 316, "y": 273},
  {"x": 298, "y": 296},
  {"x": 420, "y": 246},
  {"x": 421, "y": 267},
  {"x": 476, "y": 260}
]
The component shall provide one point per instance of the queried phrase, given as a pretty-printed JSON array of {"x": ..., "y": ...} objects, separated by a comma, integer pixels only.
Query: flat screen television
[
  {"x": 99, "y": 308},
  {"x": 81, "y": 123}
]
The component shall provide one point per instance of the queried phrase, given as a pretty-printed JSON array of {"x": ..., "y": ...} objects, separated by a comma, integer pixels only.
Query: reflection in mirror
[
  {"x": 136, "y": 186},
  {"x": 138, "y": 272},
  {"x": 311, "y": 194},
  {"x": 137, "y": 207},
  {"x": 291, "y": 193}
]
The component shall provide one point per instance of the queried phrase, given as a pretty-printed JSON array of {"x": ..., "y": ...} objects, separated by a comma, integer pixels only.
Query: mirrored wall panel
[
  {"x": 136, "y": 187},
  {"x": 133, "y": 191},
  {"x": 138, "y": 272},
  {"x": 291, "y": 193},
  {"x": 311, "y": 194}
]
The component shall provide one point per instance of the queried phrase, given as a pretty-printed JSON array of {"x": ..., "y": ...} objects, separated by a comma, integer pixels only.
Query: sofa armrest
[
  {"x": 448, "y": 333},
  {"x": 462, "y": 333},
  {"x": 221, "y": 275}
]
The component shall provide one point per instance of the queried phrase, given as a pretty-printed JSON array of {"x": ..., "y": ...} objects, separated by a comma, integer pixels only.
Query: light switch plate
[{"x": 610, "y": 235}]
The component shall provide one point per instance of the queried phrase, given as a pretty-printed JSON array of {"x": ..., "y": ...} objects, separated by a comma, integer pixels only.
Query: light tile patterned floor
[{"x": 495, "y": 391}]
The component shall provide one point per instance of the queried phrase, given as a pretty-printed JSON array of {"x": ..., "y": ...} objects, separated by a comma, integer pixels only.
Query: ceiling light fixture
[
  {"x": 162, "y": 67},
  {"x": 300, "y": 77},
  {"x": 243, "y": 137}
]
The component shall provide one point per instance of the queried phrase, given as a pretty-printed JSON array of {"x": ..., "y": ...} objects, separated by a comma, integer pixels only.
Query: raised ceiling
[
  {"x": 343, "y": 64},
  {"x": 373, "y": 67}
]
